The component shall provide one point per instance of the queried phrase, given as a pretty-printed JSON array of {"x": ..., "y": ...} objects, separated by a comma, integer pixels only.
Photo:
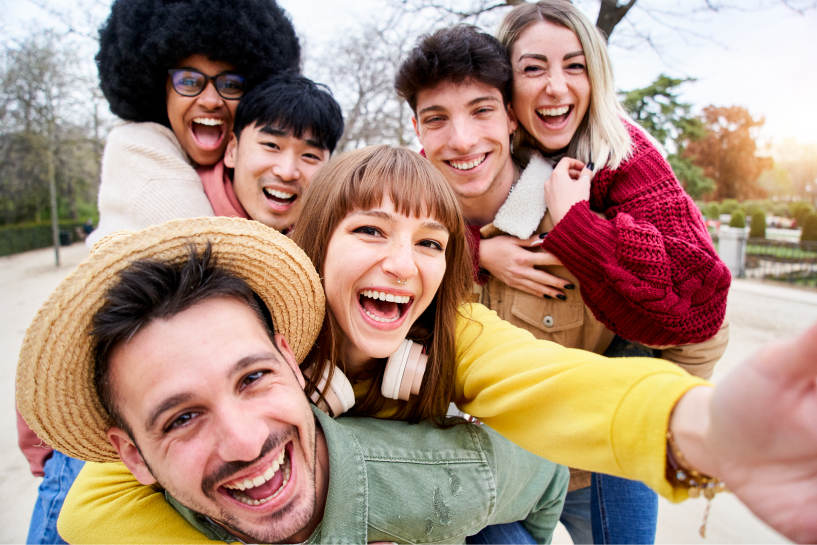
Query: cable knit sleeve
[{"x": 649, "y": 271}]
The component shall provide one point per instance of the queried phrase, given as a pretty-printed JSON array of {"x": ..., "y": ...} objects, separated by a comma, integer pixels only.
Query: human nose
[
  {"x": 241, "y": 436},
  {"x": 400, "y": 262},
  {"x": 463, "y": 136},
  {"x": 557, "y": 85},
  {"x": 209, "y": 97},
  {"x": 286, "y": 168}
]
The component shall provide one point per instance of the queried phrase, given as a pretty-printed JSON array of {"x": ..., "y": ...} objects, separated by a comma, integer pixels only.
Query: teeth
[
  {"x": 261, "y": 479},
  {"x": 208, "y": 121},
  {"x": 246, "y": 500},
  {"x": 561, "y": 110},
  {"x": 379, "y": 319},
  {"x": 278, "y": 194},
  {"x": 383, "y": 296},
  {"x": 469, "y": 165}
]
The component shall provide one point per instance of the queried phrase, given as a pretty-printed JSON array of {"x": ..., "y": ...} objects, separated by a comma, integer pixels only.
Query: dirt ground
[{"x": 758, "y": 313}]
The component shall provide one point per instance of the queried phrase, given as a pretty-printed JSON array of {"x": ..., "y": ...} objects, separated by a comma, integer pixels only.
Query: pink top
[{"x": 219, "y": 189}]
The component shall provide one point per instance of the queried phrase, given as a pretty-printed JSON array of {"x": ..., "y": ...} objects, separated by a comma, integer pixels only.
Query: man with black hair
[{"x": 285, "y": 130}]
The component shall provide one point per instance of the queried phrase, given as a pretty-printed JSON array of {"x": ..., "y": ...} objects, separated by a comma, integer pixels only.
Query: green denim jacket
[{"x": 414, "y": 483}]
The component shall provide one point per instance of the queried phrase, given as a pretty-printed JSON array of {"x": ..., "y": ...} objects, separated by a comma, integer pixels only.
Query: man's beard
[{"x": 272, "y": 531}]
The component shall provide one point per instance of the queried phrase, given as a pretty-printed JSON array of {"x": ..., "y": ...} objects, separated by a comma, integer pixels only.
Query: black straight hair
[{"x": 295, "y": 105}]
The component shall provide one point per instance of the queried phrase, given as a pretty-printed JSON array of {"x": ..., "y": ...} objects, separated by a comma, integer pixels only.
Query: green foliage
[
  {"x": 738, "y": 219},
  {"x": 799, "y": 210},
  {"x": 809, "y": 233},
  {"x": 712, "y": 210},
  {"x": 729, "y": 205},
  {"x": 31, "y": 236},
  {"x": 753, "y": 206},
  {"x": 780, "y": 209},
  {"x": 758, "y": 225},
  {"x": 691, "y": 176}
]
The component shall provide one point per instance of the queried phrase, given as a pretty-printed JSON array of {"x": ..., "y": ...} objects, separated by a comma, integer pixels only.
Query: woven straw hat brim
[{"x": 55, "y": 374}]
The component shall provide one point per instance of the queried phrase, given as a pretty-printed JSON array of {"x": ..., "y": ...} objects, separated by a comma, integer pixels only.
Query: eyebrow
[
  {"x": 434, "y": 225},
  {"x": 544, "y": 58},
  {"x": 438, "y": 108},
  {"x": 272, "y": 131},
  {"x": 178, "y": 399}
]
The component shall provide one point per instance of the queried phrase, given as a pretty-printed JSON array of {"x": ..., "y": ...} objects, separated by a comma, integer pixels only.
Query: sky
[{"x": 765, "y": 61}]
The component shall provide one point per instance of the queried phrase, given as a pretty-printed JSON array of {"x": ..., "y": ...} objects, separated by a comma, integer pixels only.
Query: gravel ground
[{"x": 758, "y": 313}]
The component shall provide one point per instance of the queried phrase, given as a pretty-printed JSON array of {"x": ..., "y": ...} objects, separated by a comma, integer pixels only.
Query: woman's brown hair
[{"x": 359, "y": 180}]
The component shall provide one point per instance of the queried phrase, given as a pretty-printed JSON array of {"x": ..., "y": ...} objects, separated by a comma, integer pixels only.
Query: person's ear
[
  {"x": 513, "y": 121},
  {"x": 416, "y": 125},
  {"x": 289, "y": 357},
  {"x": 130, "y": 455},
  {"x": 231, "y": 151}
]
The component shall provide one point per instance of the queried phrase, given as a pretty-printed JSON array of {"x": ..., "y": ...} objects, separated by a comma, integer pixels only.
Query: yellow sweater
[{"x": 569, "y": 406}]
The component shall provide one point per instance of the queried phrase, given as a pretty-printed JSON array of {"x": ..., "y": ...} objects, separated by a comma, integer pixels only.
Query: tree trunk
[{"x": 611, "y": 14}]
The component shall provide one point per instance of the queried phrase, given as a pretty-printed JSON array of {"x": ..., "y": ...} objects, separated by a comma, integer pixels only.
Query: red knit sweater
[{"x": 649, "y": 271}]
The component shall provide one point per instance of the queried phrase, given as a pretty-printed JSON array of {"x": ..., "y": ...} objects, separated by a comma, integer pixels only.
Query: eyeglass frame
[{"x": 207, "y": 80}]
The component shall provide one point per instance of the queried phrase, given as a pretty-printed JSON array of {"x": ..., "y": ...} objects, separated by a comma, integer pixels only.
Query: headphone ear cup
[
  {"x": 339, "y": 397},
  {"x": 395, "y": 368},
  {"x": 411, "y": 371}
]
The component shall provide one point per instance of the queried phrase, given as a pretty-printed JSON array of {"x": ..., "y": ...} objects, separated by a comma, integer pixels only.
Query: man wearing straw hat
[{"x": 176, "y": 350}]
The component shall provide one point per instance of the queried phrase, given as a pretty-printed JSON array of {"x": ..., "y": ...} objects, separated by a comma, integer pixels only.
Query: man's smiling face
[
  {"x": 220, "y": 419},
  {"x": 273, "y": 168}
]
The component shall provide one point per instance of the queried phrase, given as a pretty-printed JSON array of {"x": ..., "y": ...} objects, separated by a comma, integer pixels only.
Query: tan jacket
[{"x": 571, "y": 324}]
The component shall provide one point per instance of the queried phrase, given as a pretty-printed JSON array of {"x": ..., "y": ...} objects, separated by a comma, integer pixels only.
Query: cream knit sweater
[{"x": 147, "y": 179}]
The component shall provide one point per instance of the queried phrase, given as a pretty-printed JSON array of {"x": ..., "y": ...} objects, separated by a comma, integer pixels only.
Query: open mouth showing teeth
[
  {"x": 263, "y": 487},
  {"x": 383, "y": 307},
  {"x": 468, "y": 165},
  {"x": 554, "y": 116},
  {"x": 208, "y": 131},
  {"x": 279, "y": 197}
]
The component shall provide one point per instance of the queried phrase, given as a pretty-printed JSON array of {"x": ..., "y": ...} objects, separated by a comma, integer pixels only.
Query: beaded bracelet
[{"x": 679, "y": 471}]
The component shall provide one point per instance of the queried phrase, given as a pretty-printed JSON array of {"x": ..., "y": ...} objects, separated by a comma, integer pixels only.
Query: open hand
[
  {"x": 512, "y": 261},
  {"x": 569, "y": 184},
  {"x": 761, "y": 435}
]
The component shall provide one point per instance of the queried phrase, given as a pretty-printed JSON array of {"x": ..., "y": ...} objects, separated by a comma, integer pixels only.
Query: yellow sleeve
[
  {"x": 106, "y": 504},
  {"x": 567, "y": 405}
]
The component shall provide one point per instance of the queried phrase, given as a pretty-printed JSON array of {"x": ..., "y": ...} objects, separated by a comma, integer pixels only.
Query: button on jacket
[{"x": 415, "y": 483}]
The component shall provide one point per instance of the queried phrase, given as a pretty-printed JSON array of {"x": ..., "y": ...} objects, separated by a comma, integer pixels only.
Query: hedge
[{"x": 15, "y": 239}]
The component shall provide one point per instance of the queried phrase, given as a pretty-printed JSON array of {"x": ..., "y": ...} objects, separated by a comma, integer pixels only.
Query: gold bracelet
[{"x": 681, "y": 472}]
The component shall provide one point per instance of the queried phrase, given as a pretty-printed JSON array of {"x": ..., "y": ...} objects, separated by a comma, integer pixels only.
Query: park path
[{"x": 758, "y": 313}]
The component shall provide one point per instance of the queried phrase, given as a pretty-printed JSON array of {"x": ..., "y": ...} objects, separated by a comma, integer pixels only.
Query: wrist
[{"x": 690, "y": 427}]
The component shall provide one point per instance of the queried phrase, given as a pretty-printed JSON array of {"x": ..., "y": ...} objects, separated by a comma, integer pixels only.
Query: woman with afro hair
[
  {"x": 178, "y": 121},
  {"x": 174, "y": 71}
]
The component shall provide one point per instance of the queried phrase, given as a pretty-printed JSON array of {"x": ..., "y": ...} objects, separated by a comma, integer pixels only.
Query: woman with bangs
[{"x": 387, "y": 237}]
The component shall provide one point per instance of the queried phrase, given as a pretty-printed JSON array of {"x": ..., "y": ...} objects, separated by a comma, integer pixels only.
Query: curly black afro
[{"x": 142, "y": 39}]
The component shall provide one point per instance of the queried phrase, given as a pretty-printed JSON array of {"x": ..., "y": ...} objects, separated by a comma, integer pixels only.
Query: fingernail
[
  {"x": 570, "y": 287},
  {"x": 546, "y": 296},
  {"x": 543, "y": 235},
  {"x": 562, "y": 296},
  {"x": 590, "y": 165}
]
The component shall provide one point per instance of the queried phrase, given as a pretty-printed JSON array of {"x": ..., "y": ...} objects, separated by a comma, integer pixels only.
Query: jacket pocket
[{"x": 548, "y": 316}]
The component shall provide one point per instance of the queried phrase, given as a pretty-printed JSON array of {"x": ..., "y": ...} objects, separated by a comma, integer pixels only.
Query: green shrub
[
  {"x": 728, "y": 206},
  {"x": 758, "y": 226},
  {"x": 738, "y": 219},
  {"x": 780, "y": 209},
  {"x": 712, "y": 210},
  {"x": 799, "y": 210},
  {"x": 15, "y": 239},
  {"x": 753, "y": 206},
  {"x": 809, "y": 228}
]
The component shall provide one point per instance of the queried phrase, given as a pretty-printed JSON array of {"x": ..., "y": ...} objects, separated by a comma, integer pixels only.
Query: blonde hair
[
  {"x": 602, "y": 135},
  {"x": 359, "y": 180}
]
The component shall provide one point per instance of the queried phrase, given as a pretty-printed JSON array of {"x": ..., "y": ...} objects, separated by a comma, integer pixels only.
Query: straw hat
[{"x": 55, "y": 375}]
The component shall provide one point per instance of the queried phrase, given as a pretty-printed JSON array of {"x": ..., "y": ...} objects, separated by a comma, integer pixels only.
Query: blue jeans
[
  {"x": 512, "y": 532},
  {"x": 60, "y": 472}
]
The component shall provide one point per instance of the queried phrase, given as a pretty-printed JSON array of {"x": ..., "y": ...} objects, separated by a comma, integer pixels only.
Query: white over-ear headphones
[
  {"x": 404, "y": 371},
  {"x": 340, "y": 396},
  {"x": 401, "y": 379}
]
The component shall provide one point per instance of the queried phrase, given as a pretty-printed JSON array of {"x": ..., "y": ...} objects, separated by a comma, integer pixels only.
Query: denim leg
[
  {"x": 512, "y": 532},
  {"x": 623, "y": 511},
  {"x": 60, "y": 472},
  {"x": 576, "y": 516}
]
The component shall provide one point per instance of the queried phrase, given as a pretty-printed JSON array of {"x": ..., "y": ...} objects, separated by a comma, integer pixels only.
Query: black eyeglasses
[{"x": 191, "y": 83}]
